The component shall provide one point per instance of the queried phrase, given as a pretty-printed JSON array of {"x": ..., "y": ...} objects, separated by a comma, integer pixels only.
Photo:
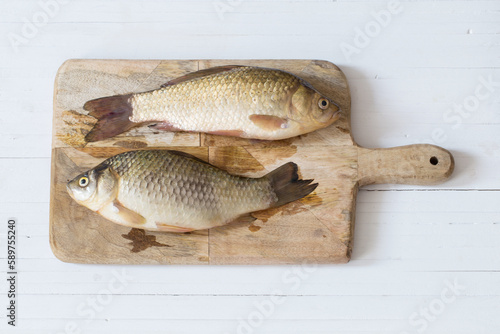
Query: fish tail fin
[
  {"x": 287, "y": 186},
  {"x": 113, "y": 116}
]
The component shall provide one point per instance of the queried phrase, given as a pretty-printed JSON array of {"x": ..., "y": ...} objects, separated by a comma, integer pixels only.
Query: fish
[
  {"x": 173, "y": 191},
  {"x": 240, "y": 101}
]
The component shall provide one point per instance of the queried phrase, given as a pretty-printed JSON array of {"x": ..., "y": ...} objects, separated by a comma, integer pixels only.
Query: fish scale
[
  {"x": 230, "y": 99},
  {"x": 166, "y": 188}
]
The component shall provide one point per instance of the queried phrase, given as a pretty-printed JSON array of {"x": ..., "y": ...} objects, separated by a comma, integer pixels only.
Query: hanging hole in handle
[{"x": 434, "y": 161}]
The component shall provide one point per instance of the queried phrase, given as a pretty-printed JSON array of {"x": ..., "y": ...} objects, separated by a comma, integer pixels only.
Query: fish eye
[
  {"x": 323, "y": 103},
  {"x": 83, "y": 182}
]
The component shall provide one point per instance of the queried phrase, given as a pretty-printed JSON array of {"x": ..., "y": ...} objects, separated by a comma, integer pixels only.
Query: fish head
[
  {"x": 94, "y": 188},
  {"x": 312, "y": 110}
]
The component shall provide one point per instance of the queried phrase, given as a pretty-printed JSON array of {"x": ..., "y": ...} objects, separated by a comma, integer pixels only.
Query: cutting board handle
[{"x": 420, "y": 164}]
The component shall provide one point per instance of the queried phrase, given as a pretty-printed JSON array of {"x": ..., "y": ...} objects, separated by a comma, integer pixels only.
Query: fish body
[
  {"x": 248, "y": 102},
  {"x": 171, "y": 191}
]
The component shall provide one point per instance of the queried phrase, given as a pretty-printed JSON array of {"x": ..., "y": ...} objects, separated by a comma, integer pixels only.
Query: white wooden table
[{"x": 425, "y": 260}]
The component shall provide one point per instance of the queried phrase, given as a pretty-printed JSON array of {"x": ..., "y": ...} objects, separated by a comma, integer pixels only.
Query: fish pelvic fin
[
  {"x": 113, "y": 116},
  {"x": 287, "y": 186}
]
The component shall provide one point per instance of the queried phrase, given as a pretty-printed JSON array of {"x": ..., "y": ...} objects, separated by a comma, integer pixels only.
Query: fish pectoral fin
[
  {"x": 268, "y": 122},
  {"x": 171, "y": 228},
  {"x": 200, "y": 74},
  {"x": 127, "y": 215}
]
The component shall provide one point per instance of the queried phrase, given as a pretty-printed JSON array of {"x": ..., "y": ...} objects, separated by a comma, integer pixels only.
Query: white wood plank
[
  {"x": 233, "y": 307},
  {"x": 236, "y": 282},
  {"x": 408, "y": 240},
  {"x": 269, "y": 326},
  {"x": 28, "y": 180}
]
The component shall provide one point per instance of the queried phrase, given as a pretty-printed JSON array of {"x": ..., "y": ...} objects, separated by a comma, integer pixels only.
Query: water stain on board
[
  {"x": 133, "y": 144},
  {"x": 312, "y": 200},
  {"x": 254, "y": 228},
  {"x": 275, "y": 143},
  {"x": 76, "y": 126},
  {"x": 304, "y": 204},
  {"x": 268, "y": 155},
  {"x": 141, "y": 241},
  {"x": 234, "y": 159},
  {"x": 223, "y": 141},
  {"x": 343, "y": 130}
]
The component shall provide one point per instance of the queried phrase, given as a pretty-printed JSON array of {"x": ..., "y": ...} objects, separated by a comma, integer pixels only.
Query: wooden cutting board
[{"x": 319, "y": 228}]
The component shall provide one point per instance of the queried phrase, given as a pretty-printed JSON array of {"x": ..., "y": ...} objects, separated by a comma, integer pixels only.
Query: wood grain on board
[{"x": 318, "y": 228}]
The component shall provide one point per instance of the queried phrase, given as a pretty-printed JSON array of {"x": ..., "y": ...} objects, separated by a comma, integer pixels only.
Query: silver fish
[{"x": 248, "y": 102}]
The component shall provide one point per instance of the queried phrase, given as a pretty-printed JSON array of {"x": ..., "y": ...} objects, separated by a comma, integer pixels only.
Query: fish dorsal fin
[
  {"x": 200, "y": 74},
  {"x": 187, "y": 155}
]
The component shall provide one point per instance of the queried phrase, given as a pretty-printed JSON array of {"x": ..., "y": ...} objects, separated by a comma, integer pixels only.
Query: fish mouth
[
  {"x": 69, "y": 190},
  {"x": 336, "y": 115},
  {"x": 330, "y": 117}
]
